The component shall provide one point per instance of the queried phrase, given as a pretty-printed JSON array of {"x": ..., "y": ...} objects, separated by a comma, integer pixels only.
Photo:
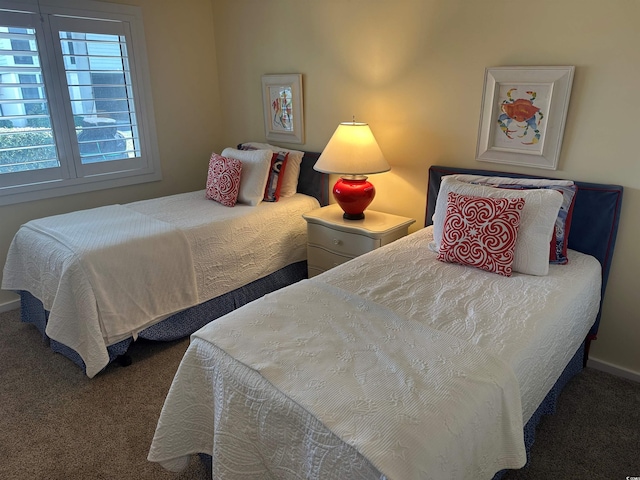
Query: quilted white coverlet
[
  {"x": 533, "y": 323},
  {"x": 416, "y": 402},
  {"x": 87, "y": 267},
  {"x": 227, "y": 405},
  {"x": 98, "y": 274},
  {"x": 234, "y": 246}
]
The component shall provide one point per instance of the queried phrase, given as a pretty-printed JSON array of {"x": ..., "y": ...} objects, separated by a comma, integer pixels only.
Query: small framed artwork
[
  {"x": 282, "y": 103},
  {"x": 524, "y": 110}
]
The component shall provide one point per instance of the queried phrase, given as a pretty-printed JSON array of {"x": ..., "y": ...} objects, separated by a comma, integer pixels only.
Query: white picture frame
[
  {"x": 523, "y": 115},
  {"x": 283, "y": 109}
]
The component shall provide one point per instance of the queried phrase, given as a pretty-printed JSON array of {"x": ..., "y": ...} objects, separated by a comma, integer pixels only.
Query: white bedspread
[
  {"x": 234, "y": 246},
  {"x": 535, "y": 324},
  {"x": 93, "y": 292},
  {"x": 230, "y": 408},
  {"x": 98, "y": 274},
  {"x": 412, "y": 400}
]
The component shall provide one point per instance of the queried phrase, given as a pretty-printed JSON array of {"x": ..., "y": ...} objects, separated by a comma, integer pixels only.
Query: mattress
[
  {"x": 214, "y": 250},
  {"x": 247, "y": 417}
]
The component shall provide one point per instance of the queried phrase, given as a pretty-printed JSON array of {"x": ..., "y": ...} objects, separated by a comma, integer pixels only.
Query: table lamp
[{"x": 353, "y": 153}]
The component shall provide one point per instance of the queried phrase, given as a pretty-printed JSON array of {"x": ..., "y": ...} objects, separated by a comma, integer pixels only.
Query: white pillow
[
  {"x": 292, "y": 170},
  {"x": 536, "y": 219},
  {"x": 255, "y": 170},
  {"x": 538, "y": 182}
]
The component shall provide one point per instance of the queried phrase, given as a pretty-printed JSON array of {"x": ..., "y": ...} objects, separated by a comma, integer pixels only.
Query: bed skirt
[{"x": 180, "y": 325}]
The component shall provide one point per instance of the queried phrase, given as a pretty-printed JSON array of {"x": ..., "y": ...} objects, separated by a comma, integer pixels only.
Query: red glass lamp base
[{"x": 354, "y": 195}]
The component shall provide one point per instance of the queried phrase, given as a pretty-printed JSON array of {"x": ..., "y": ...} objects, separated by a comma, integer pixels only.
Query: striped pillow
[{"x": 276, "y": 176}]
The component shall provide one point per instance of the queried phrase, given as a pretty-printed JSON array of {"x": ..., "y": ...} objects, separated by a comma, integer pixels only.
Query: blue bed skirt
[{"x": 177, "y": 326}]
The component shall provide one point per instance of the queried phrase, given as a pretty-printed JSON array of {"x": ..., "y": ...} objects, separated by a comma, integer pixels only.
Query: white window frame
[{"x": 73, "y": 177}]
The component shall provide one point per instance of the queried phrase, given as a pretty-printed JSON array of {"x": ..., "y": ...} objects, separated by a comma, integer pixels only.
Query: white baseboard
[
  {"x": 613, "y": 369},
  {"x": 11, "y": 305}
]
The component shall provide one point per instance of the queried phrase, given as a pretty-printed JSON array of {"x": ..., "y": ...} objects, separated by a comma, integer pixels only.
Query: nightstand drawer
[
  {"x": 333, "y": 240},
  {"x": 320, "y": 260},
  {"x": 342, "y": 243}
]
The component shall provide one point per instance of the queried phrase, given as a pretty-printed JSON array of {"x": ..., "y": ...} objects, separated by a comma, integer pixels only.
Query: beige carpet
[{"x": 55, "y": 423}]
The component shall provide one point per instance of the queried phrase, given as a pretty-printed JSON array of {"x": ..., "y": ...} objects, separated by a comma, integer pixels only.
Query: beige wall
[
  {"x": 184, "y": 83},
  {"x": 414, "y": 70}
]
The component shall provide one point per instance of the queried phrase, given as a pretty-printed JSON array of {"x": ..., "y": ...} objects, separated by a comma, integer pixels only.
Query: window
[
  {"x": 18, "y": 45},
  {"x": 75, "y": 107}
]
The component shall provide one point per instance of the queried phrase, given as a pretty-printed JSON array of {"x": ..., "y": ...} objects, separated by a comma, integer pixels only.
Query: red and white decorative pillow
[
  {"x": 481, "y": 232},
  {"x": 536, "y": 220},
  {"x": 289, "y": 185},
  {"x": 567, "y": 188},
  {"x": 223, "y": 180},
  {"x": 276, "y": 175}
]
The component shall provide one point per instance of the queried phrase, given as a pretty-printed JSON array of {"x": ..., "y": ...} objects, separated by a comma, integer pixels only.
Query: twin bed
[
  {"x": 93, "y": 281},
  {"x": 392, "y": 365}
]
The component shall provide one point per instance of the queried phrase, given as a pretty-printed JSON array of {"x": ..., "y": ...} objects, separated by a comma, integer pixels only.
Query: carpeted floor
[
  {"x": 594, "y": 434},
  {"x": 55, "y": 423}
]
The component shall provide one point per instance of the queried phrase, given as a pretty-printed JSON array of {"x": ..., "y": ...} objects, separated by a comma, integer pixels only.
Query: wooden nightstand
[{"x": 332, "y": 240}]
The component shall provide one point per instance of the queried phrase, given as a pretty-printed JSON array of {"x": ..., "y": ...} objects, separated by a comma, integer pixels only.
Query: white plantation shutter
[
  {"x": 75, "y": 109},
  {"x": 27, "y": 146}
]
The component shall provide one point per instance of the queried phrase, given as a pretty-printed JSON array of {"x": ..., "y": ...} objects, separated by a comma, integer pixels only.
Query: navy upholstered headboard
[
  {"x": 311, "y": 182},
  {"x": 594, "y": 224}
]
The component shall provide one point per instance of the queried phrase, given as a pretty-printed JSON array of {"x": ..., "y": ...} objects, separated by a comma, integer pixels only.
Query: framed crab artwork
[{"x": 524, "y": 111}]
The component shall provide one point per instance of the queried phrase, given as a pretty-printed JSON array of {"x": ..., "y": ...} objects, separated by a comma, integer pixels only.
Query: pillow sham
[
  {"x": 536, "y": 220},
  {"x": 255, "y": 170},
  {"x": 223, "y": 180},
  {"x": 294, "y": 159},
  {"x": 276, "y": 175},
  {"x": 481, "y": 232},
  {"x": 560, "y": 239}
]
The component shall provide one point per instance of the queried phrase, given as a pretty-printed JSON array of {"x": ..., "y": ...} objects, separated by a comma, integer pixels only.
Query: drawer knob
[{"x": 336, "y": 241}]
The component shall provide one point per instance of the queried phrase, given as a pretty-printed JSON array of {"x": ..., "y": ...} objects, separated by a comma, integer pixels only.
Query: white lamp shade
[{"x": 352, "y": 150}]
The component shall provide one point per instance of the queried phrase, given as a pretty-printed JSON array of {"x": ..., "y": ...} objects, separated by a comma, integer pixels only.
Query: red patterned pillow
[
  {"x": 481, "y": 232},
  {"x": 223, "y": 180},
  {"x": 276, "y": 174}
]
